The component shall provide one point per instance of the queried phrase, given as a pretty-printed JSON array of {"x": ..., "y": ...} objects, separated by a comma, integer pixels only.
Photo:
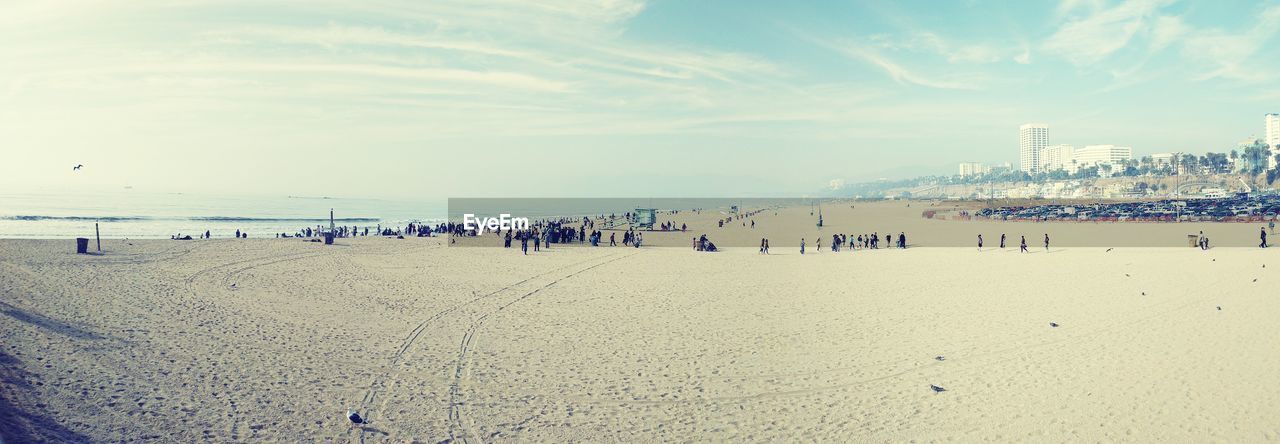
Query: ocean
[
  {"x": 147, "y": 215},
  {"x": 144, "y": 215}
]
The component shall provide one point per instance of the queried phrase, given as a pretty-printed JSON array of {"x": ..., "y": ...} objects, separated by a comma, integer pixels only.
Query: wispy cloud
[
  {"x": 900, "y": 73},
  {"x": 1089, "y": 40},
  {"x": 1237, "y": 55},
  {"x": 896, "y": 71},
  {"x": 948, "y": 49}
]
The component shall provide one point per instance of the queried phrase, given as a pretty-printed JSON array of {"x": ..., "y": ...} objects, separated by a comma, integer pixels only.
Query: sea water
[{"x": 142, "y": 215}]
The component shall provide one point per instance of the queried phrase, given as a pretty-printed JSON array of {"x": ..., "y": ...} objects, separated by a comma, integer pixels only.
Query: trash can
[
  {"x": 328, "y": 238},
  {"x": 82, "y": 245}
]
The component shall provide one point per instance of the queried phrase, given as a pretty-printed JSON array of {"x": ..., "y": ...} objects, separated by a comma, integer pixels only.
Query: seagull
[
  {"x": 1255, "y": 279},
  {"x": 1126, "y": 275},
  {"x": 76, "y": 168},
  {"x": 1219, "y": 308},
  {"x": 940, "y": 358},
  {"x": 1053, "y": 324},
  {"x": 937, "y": 389},
  {"x": 356, "y": 420},
  {"x": 1144, "y": 293},
  {"x": 1109, "y": 249}
]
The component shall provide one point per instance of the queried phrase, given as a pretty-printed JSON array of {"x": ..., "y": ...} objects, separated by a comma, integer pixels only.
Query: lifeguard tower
[{"x": 644, "y": 218}]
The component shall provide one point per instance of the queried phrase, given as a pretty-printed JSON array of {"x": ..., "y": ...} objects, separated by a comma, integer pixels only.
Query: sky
[{"x": 566, "y": 98}]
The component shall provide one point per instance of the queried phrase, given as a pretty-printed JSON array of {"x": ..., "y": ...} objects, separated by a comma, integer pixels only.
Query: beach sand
[
  {"x": 784, "y": 227},
  {"x": 274, "y": 340}
]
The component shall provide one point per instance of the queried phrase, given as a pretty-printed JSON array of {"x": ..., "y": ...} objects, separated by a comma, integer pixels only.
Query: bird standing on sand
[
  {"x": 356, "y": 420},
  {"x": 1053, "y": 324},
  {"x": 937, "y": 389},
  {"x": 940, "y": 358}
]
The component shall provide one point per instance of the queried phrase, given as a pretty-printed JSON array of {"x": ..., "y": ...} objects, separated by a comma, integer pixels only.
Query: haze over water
[{"x": 137, "y": 214}]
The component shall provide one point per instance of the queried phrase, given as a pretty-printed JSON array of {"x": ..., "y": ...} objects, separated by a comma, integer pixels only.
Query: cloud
[
  {"x": 1025, "y": 57},
  {"x": 1089, "y": 40},
  {"x": 1236, "y": 55},
  {"x": 1068, "y": 6},
  {"x": 898, "y": 72},
  {"x": 1166, "y": 31},
  {"x": 928, "y": 42}
]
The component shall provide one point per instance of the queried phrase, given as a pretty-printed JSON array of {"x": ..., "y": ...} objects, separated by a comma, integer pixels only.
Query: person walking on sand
[
  {"x": 1001, "y": 241},
  {"x": 524, "y": 243},
  {"x": 1046, "y": 242},
  {"x": 1263, "y": 235},
  {"x": 766, "y": 246},
  {"x": 979, "y": 242},
  {"x": 819, "y": 247},
  {"x": 762, "y": 245},
  {"x": 613, "y": 241},
  {"x": 1024, "y": 244},
  {"x": 802, "y": 245}
]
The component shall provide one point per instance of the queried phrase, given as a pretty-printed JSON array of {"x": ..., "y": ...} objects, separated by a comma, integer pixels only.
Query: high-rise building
[
  {"x": 1057, "y": 157},
  {"x": 1098, "y": 155},
  {"x": 1032, "y": 138},
  {"x": 1273, "y": 137}
]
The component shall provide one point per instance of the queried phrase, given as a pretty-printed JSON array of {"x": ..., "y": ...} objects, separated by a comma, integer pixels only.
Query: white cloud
[
  {"x": 1238, "y": 55},
  {"x": 900, "y": 73},
  {"x": 928, "y": 42},
  {"x": 1069, "y": 6},
  {"x": 1025, "y": 57},
  {"x": 1093, "y": 38},
  {"x": 1166, "y": 31}
]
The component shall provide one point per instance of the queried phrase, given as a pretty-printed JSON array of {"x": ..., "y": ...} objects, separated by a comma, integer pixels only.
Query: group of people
[
  {"x": 702, "y": 244},
  {"x": 544, "y": 236},
  {"x": 207, "y": 235},
  {"x": 1022, "y": 246},
  {"x": 862, "y": 241}
]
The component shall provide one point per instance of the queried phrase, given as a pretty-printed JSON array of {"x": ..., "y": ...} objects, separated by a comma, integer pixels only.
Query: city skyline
[
  {"x": 1036, "y": 153},
  {"x": 622, "y": 97}
]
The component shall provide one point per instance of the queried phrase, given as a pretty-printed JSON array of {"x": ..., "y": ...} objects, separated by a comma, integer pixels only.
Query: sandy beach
[
  {"x": 274, "y": 340},
  {"x": 785, "y": 227}
]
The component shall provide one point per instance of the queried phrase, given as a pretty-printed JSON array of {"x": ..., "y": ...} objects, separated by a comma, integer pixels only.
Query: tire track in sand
[
  {"x": 458, "y": 427},
  {"x": 380, "y": 387}
]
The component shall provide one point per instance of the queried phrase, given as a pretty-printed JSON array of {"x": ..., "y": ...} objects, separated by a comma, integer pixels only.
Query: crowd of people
[{"x": 860, "y": 242}]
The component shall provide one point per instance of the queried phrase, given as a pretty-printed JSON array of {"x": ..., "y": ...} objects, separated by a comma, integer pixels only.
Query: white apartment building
[
  {"x": 1057, "y": 157},
  {"x": 1032, "y": 138},
  {"x": 973, "y": 169},
  {"x": 1162, "y": 159},
  {"x": 1097, "y": 155},
  {"x": 1272, "y": 121}
]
